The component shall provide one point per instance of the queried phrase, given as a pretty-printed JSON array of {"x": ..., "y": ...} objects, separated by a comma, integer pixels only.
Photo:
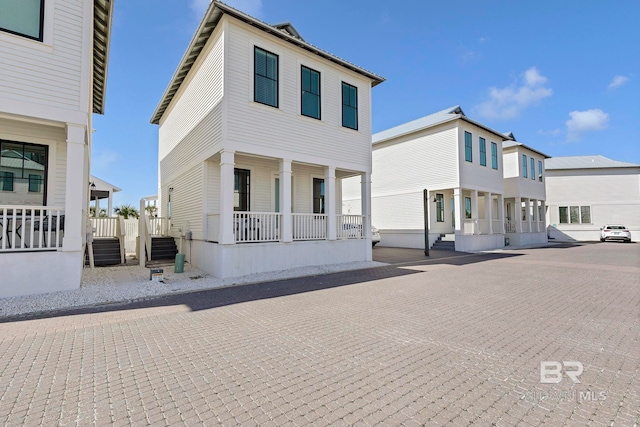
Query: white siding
[
  {"x": 55, "y": 139},
  {"x": 472, "y": 174},
  {"x": 282, "y": 132},
  {"x": 428, "y": 159},
  {"x": 43, "y": 74},
  {"x": 511, "y": 164},
  {"x": 187, "y": 200},
  {"x": 191, "y": 129},
  {"x": 612, "y": 194}
]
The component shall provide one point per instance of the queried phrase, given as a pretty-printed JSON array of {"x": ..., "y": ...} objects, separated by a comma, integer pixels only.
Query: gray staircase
[
  {"x": 446, "y": 242},
  {"x": 163, "y": 248},
  {"x": 106, "y": 251}
]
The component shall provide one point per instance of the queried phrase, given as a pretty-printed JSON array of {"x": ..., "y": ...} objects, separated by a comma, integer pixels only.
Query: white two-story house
[
  {"x": 53, "y": 67},
  {"x": 524, "y": 193},
  {"x": 257, "y": 129},
  {"x": 458, "y": 161}
]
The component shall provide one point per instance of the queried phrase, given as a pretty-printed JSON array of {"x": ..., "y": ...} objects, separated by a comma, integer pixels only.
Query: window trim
[
  {"x": 47, "y": 156},
  {"x": 302, "y": 92},
  {"x": 255, "y": 74},
  {"x": 468, "y": 146},
  {"x": 40, "y": 37},
  {"x": 343, "y": 105},
  {"x": 494, "y": 155},
  {"x": 439, "y": 207},
  {"x": 483, "y": 151},
  {"x": 580, "y": 213}
]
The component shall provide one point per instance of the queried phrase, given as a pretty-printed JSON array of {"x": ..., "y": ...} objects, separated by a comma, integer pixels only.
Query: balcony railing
[
  {"x": 350, "y": 227},
  {"x": 468, "y": 226},
  {"x": 31, "y": 228},
  {"x": 309, "y": 226}
]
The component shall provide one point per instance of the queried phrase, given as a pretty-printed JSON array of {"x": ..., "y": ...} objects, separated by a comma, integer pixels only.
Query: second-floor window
[
  {"x": 265, "y": 79},
  {"x": 310, "y": 97},
  {"x": 22, "y": 17},
  {"x": 349, "y": 106},
  {"x": 483, "y": 152},
  {"x": 540, "y": 170},
  {"x": 494, "y": 155},
  {"x": 468, "y": 147},
  {"x": 524, "y": 166},
  {"x": 533, "y": 168}
]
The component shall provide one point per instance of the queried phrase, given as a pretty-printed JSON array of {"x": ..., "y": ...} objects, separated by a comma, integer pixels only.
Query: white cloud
[
  {"x": 618, "y": 81},
  {"x": 585, "y": 121},
  {"x": 509, "y": 102}
]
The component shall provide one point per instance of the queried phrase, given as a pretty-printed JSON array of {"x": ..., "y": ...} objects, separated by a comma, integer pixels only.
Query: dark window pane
[
  {"x": 494, "y": 155},
  {"x": 468, "y": 147},
  {"x": 241, "y": 190},
  {"x": 310, "y": 104},
  {"x": 349, "y": 106},
  {"x": 483, "y": 152},
  {"x": 265, "y": 77},
  {"x": 574, "y": 213},
  {"x": 585, "y": 214},
  {"x": 564, "y": 215},
  {"x": 318, "y": 196}
]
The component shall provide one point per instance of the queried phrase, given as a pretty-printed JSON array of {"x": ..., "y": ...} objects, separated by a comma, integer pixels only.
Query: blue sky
[{"x": 563, "y": 76}]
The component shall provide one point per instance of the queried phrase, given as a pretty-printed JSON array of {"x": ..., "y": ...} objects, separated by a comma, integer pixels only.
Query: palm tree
[
  {"x": 152, "y": 211},
  {"x": 126, "y": 211},
  {"x": 101, "y": 214}
]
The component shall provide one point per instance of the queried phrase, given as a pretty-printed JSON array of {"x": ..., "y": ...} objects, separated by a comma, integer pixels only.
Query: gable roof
[
  {"x": 509, "y": 144},
  {"x": 208, "y": 24},
  {"x": 102, "y": 14},
  {"x": 586, "y": 162},
  {"x": 442, "y": 116}
]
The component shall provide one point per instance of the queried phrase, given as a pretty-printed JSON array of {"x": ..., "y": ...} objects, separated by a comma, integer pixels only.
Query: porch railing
[
  {"x": 31, "y": 228},
  {"x": 469, "y": 226},
  {"x": 158, "y": 226},
  {"x": 509, "y": 226},
  {"x": 256, "y": 226},
  {"x": 309, "y": 226},
  {"x": 350, "y": 227}
]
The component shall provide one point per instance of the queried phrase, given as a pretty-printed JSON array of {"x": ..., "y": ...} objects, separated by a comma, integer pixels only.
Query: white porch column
[
  {"x": 458, "y": 207},
  {"x": 501, "y": 212},
  {"x": 474, "y": 211},
  {"x": 110, "y": 203},
  {"x": 330, "y": 201},
  {"x": 365, "y": 195},
  {"x": 527, "y": 209},
  {"x": 76, "y": 189},
  {"x": 488, "y": 200},
  {"x": 96, "y": 211},
  {"x": 517, "y": 208},
  {"x": 542, "y": 219},
  {"x": 534, "y": 208},
  {"x": 285, "y": 201},
  {"x": 227, "y": 162}
]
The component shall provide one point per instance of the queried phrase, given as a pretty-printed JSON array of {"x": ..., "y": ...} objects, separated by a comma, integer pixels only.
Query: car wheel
[
  {"x": 601, "y": 239},
  {"x": 373, "y": 244}
]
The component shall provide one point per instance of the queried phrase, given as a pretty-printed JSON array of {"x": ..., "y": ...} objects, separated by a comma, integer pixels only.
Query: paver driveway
[{"x": 450, "y": 341}]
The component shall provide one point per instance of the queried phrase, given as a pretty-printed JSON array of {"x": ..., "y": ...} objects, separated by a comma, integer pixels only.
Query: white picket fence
[{"x": 131, "y": 233}]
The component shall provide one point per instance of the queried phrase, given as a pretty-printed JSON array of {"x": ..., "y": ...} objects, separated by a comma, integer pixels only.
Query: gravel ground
[{"x": 121, "y": 284}]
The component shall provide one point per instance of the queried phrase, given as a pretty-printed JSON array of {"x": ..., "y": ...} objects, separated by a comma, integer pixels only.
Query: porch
[{"x": 525, "y": 221}]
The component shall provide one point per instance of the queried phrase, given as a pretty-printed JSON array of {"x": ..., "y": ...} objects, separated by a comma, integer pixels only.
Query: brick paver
[{"x": 449, "y": 341}]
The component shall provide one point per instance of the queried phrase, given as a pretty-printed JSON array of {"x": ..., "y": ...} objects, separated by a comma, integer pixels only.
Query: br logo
[{"x": 551, "y": 371}]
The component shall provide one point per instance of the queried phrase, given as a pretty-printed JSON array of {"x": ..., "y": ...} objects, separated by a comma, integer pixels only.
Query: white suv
[{"x": 615, "y": 232}]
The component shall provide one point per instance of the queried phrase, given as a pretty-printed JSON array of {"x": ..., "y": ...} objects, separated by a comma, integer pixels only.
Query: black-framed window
[
  {"x": 483, "y": 152},
  {"x": 318, "y": 196},
  {"x": 468, "y": 146},
  {"x": 22, "y": 17},
  {"x": 23, "y": 171},
  {"x": 439, "y": 207},
  {"x": 524, "y": 165},
  {"x": 349, "y": 106},
  {"x": 494, "y": 155},
  {"x": 241, "y": 190},
  {"x": 310, "y": 96},
  {"x": 265, "y": 79}
]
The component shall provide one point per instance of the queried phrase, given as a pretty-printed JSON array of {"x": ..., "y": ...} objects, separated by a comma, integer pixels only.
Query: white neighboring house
[
  {"x": 459, "y": 162},
  {"x": 257, "y": 128},
  {"x": 101, "y": 190},
  {"x": 53, "y": 66},
  {"x": 524, "y": 193},
  {"x": 586, "y": 192}
]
